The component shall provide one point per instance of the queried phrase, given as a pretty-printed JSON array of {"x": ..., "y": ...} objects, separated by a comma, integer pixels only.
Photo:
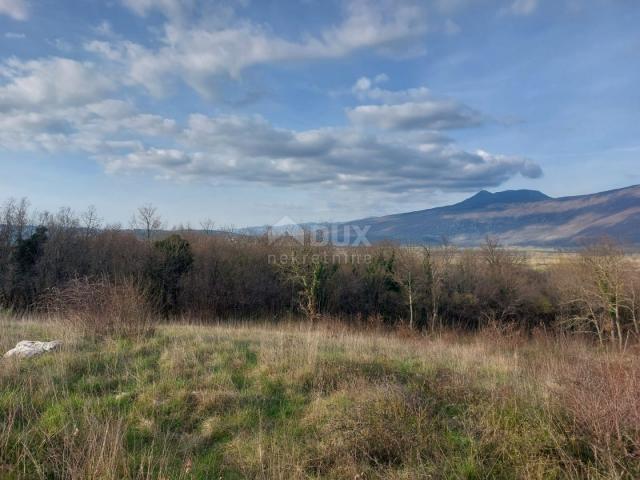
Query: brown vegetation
[
  {"x": 102, "y": 307},
  {"x": 211, "y": 275}
]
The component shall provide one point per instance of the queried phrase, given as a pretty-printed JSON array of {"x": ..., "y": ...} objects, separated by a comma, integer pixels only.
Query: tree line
[{"x": 210, "y": 275}]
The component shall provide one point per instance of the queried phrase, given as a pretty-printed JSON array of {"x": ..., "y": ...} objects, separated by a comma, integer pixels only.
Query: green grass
[{"x": 243, "y": 401}]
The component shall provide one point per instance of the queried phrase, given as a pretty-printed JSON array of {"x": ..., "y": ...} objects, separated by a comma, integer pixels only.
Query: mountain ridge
[
  {"x": 518, "y": 218},
  {"x": 484, "y": 198}
]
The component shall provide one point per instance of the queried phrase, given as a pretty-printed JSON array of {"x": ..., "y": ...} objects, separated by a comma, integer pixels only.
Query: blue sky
[{"x": 247, "y": 111}]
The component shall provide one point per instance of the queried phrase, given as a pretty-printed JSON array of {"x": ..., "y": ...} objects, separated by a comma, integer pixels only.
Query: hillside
[{"x": 519, "y": 218}]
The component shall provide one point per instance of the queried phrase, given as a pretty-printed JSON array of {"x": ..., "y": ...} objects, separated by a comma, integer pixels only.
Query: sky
[{"x": 247, "y": 111}]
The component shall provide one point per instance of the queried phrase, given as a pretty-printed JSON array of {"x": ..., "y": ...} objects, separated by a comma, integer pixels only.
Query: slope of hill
[{"x": 519, "y": 218}]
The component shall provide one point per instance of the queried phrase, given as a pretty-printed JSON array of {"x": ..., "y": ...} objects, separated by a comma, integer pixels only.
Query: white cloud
[
  {"x": 429, "y": 114},
  {"x": 100, "y": 127},
  {"x": 16, "y": 9},
  {"x": 104, "y": 29},
  {"x": 52, "y": 81},
  {"x": 14, "y": 35},
  {"x": 171, "y": 8},
  {"x": 106, "y": 49},
  {"x": 198, "y": 53},
  {"x": 366, "y": 89},
  {"x": 523, "y": 7},
  {"x": 160, "y": 158},
  {"x": 252, "y": 150},
  {"x": 411, "y": 109},
  {"x": 61, "y": 45},
  {"x": 62, "y": 105},
  {"x": 363, "y": 84}
]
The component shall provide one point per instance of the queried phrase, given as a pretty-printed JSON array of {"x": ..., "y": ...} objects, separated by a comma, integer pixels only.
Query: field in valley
[
  {"x": 252, "y": 400},
  {"x": 543, "y": 259}
]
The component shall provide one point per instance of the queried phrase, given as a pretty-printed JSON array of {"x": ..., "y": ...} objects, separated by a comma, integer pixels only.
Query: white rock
[{"x": 28, "y": 348}]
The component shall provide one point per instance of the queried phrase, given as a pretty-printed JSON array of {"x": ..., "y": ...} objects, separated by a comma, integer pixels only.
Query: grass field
[
  {"x": 542, "y": 259},
  {"x": 294, "y": 401}
]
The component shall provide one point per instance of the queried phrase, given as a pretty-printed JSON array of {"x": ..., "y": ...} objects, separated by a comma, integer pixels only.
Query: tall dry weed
[
  {"x": 103, "y": 307},
  {"x": 602, "y": 396}
]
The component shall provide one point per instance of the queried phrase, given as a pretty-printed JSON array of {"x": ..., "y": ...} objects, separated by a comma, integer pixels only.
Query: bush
[{"x": 103, "y": 308}]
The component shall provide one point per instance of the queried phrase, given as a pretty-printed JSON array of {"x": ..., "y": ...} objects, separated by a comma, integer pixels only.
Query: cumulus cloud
[
  {"x": 369, "y": 89},
  {"x": 198, "y": 53},
  {"x": 60, "y": 105},
  {"x": 411, "y": 109},
  {"x": 430, "y": 114},
  {"x": 394, "y": 144},
  {"x": 251, "y": 149},
  {"x": 50, "y": 82},
  {"x": 16, "y": 9},
  {"x": 96, "y": 127}
]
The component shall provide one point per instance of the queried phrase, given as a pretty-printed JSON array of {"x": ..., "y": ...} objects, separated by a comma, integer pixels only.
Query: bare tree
[
  {"x": 14, "y": 219},
  {"x": 147, "y": 219},
  {"x": 633, "y": 299},
  {"x": 65, "y": 219},
  {"x": 90, "y": 221},
  {"x": 405, "y": 275},
  {"x": 604, "y": 265},
  {"x": 207, "y": 226},
  {"x": 602, "y": 288},
  {"x": 435, "y": 265},
  {"x": 497, "y": 257}
]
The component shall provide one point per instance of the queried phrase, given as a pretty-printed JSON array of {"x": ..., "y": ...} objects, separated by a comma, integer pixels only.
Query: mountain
[
  {"x": 518, "y": 218},
  {"x": 484, "y": 198}
]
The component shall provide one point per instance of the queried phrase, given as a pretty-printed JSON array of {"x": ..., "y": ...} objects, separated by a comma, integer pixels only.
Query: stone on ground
[{"x": 29, "y": 348}]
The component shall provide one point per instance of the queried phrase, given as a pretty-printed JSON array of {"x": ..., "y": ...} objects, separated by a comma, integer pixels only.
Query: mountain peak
[
  {"x": 484, "y": 198},
  {"x": 518, "y": 217}
]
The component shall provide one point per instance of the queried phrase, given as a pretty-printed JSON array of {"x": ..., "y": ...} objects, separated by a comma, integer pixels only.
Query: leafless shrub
[
  {"x": 102, "y": 307},
  {"x": 602, "y": 396},
  {"x": 600, "y": 290}
]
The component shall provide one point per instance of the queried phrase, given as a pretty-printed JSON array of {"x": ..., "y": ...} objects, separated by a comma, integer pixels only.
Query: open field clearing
[
  {"x": 293, "y": 401},
  {"x": 543, "y": 259},
  {"x": 539, "y": 259}
]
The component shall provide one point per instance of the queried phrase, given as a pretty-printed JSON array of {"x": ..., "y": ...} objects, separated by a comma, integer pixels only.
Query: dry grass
[
  {"x": 543, "y": 259},
  {"x": 254, "y": 400},
  {"x": 102, "y": 307}
]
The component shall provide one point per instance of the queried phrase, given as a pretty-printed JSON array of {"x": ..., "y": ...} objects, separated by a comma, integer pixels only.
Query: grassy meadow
[{"x": 292, "y": 400}]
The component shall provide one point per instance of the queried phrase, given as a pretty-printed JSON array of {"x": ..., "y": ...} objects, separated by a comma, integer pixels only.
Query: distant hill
[
  {"x": 483, "y": 198},
  {"x": 518, "y": 218}
]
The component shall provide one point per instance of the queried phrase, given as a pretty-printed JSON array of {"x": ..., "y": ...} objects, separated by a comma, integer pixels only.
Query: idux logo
[
  {"x": 340, "y": 235},
  {"x": 286, "y": 228}
]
